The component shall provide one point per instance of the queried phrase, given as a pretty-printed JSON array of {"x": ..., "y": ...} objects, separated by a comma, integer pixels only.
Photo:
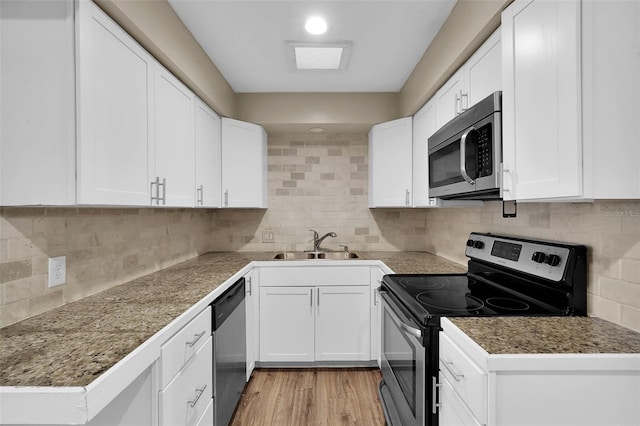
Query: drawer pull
[
  {"x": 434, "y": 389},
  {"x": 449, "y": 366},
  {"x": 199, "y": 393},
  {"x": 197, "y": 337}
]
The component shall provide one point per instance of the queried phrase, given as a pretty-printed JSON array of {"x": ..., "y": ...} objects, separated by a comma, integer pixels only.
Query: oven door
[
  {"x": 468, "y": 162},
  {"x": 402, "y": 364}
]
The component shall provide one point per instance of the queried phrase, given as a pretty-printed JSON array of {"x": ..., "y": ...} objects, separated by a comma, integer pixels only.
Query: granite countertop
[
  {"x": 549, "y": 335},
  {"x": 74, "y": 344}
]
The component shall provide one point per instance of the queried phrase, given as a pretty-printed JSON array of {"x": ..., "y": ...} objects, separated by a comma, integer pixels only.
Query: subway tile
[
  {"x": 630, "y": 270},
  {"x": 297, "y": 176},
  {"x": 620, "y": 291},
  {"x": 630, "y": 317},
  {"x": 289, "y": 183},
  {"x": 312, "y": 160},
  {"x": 25, "y": 288},
  {"x": 357, "y": 160},
  {"x": 11, "y": 271},
  {"x": 334, "y": 152}
]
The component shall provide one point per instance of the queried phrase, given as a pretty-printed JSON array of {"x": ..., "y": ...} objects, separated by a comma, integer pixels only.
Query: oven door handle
[
  {"x": 463, "y": 156},
  {"x": 412, "y": 331}
]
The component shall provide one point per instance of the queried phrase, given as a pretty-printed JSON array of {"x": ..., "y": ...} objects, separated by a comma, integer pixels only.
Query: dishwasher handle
[{"x": 224, "y": 305}]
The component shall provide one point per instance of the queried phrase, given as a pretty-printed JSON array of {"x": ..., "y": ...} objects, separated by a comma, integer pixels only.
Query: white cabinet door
[
  {"x": 244, "y": 164},
  {"x": 390, "y": 152},
  {"x": 542, "y": 148},
  {"x": 251, "y": 299},
  {"x": 114, "y": 83},
  {"x": 342, "y": 323},
  {"x": 37, "y": 118},
  {"x": 449, "y": 98},
  {"x": 483, "y": 71},
  {"x": 287, "y": 323},
  {"x": 174, "y": 141},
  {"x": 208, "y": 163},
  {"x": 424, "y": 125}
]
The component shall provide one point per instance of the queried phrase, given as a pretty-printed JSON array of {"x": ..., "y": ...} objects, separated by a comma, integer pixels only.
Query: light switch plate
[{"x": 57, "y": 270}]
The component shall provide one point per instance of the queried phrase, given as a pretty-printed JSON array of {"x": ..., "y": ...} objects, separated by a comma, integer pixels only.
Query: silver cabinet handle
[
  {"x": 318, "y": 299},
  {"x": 463, "y": 108},
  {"x": 199, "y": 392},
  {"x": 249, "y": 282},
  {"x": 200, "y": 196},
  {"x": 311, "y": 300},
  {"x": 164, "y": 191},
  {"x": 456, "y": 105},
  {"x": 226, "y": 198},
  {"x": 406, "y": 197},
  {"x": 196, "y": 338},
  {"x": 463, "y": 155},
  {"x": 449, "y": 366},
  {"x": 155, "y": 198},
  {"x": 434, "y": 387}
]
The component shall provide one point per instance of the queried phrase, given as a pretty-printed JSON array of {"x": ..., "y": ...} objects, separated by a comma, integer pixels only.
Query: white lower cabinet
[
  {"x": 315, "y": 313},
  {"x": 324, "y": 323},
  {"x": 186, "y": 374},
  {"x": 251, "y": 304},
  {"x": 186, "y": 399},
  {"x": 534, "y": 389}
]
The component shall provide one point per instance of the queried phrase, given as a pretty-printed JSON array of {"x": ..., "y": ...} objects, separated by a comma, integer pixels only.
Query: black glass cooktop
[{"x": 460, "y": 295}]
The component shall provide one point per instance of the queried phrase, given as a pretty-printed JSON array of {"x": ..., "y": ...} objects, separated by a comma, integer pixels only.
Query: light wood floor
[{"x": 311, "y": 396}]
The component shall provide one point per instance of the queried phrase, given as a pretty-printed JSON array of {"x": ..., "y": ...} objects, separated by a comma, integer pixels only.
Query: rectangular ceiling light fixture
[{"x": 314, "y": 56}]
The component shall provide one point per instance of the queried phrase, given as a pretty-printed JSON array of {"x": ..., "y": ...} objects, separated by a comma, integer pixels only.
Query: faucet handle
[
  {"x": 315, "y": 234},
  {"x": 344, "y": 247}
]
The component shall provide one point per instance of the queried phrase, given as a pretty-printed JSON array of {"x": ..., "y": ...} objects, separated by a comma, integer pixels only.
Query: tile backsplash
[
  {"x": 316, "y": 181},
  {"x": 104, "y": 247}
]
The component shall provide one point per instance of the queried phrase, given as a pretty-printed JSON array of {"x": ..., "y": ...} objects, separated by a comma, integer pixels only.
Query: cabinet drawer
[
  {"x": 177, "y": 351},
  {"x": 467, "y": 379},
  {"x": 187, "y": 397},
  {"x": 314, "y": 275},
  {"x": 452, "y": 410},
  {"x": 207, "y": 418}
]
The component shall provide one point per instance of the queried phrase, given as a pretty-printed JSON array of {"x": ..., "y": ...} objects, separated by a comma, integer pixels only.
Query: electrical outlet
[
  {"x": 57, "y": 270},
  {"x": 268, "y": 236}
]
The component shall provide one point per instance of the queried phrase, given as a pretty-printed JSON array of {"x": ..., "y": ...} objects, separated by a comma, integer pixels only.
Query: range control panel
[{"x": 543, "y": 259}]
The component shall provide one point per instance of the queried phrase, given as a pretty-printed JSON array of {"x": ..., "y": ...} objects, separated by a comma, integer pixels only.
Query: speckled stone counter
[
  {"x": 74, "y": 344},
  {"x": 547, "y": 335}
]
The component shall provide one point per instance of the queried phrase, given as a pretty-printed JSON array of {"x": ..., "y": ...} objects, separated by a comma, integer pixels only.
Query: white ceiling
[{"x": 246, "y": 40}]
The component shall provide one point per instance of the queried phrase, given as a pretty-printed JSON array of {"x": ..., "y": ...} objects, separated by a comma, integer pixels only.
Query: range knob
[
  {"x": 539, "y": 257},
  {"x": 470, "y": 243},
  {"x": 553, "y": 260},
  {"x": 478, "y": 245}
]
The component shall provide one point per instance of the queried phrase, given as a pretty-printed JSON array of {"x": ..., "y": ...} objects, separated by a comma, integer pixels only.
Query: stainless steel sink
[
  {"x": 337, "y": 255},
  {"x": 306, "y": 255},
  {"x": 295, "y": 255}
]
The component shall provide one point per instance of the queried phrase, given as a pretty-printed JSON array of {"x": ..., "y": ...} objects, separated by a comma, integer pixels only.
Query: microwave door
[{"x": 446, "y": 165}]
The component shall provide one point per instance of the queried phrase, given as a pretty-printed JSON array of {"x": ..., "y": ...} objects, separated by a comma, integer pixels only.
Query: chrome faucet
[{"x": 317, "y": 240}]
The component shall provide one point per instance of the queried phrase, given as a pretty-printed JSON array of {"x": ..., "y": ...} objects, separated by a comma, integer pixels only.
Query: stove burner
[
  {"x": 507, "y": 304},
  {"x": 450, "y": 300},
  {"x": 421, "y": 283}
]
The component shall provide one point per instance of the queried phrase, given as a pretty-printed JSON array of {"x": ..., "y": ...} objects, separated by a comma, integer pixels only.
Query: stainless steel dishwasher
[{"x": 229, "y": 351}]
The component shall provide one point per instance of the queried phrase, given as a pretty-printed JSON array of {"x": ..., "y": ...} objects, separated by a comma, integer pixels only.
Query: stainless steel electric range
[{"x": 506, "y": 276}]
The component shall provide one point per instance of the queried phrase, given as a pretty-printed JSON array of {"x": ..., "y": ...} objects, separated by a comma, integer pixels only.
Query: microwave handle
[{"x": 463, "y": 156}]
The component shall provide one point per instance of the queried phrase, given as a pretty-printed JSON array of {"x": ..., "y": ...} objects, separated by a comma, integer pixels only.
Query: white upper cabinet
[
  {"x": 37, "y": 117},
  {"x": 174, "y": 141},
  {"x": 424, "y": 125},
  {"x": 479, "y": 77},
  {"x": 244, "y": 164},
  {"x": 483, "y": 72},
  {"x": 114, "y": 81},
  {"x": 542, "y": 150},
  {"x": 207, "y": 139},
  {"x": 571, "y": 100},
  {"x": 390, "y": 159},
  {"x": 449, "y": 98}
]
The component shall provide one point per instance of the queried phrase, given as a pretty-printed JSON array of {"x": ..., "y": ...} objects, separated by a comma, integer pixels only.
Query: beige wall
[
  {"x": 466, "y": 28},
  {"x": 335, "y": 112},
  {"x": 104, "y": 247},
  {"x": 155, "y": 25}
]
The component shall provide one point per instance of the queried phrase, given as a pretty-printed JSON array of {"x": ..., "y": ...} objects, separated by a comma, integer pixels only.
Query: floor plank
[{"x": 311, "y": 396}]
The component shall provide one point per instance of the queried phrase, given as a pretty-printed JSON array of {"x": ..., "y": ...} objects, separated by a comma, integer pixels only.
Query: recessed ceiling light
[
  {"x": 316, "y": 25},
  {"x": 316, "y": 129},
  {"x": 318, "y": 56}
]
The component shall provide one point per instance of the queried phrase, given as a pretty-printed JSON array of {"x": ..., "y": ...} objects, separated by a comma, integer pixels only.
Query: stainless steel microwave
[{"x": 465, "y": 155}]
